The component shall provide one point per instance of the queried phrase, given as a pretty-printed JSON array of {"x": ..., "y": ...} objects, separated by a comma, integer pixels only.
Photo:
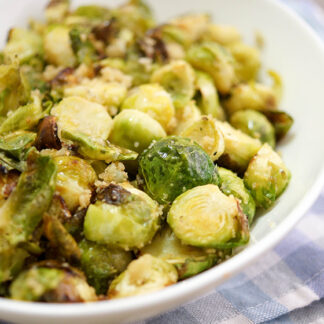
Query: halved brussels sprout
[
  {"x": 207, "y": 134},
  {"x": 75, "y": 114},
  {"x": 135, "y": 130},
  {"x": 188, "y": 260},
  {"x": 101, "y": 264},
  {"x": 75, "y": 178},
  {"x": 205, "y": 217},
  {"x": 247, "y": 61},
  {"x": 142, "y": 276},
  {"x": 174, "y": 165},
  {"x": 110, "y": 95},
  {"x": 22, "y": 45},
  {"x": 255, "y": 96},
  {"x": 231, "y": 184},
  {"x": 57, "y": 47},
  {"x": 215, "y": 60},
  {"x": 122, "y": 217},
  {"x": 239, "y": 148},
  {"x": 56, "y": 10},
  {"x": 267, "y": 176},
  {"x": 99, "y": 150},
  {"x": 255, "y": 124},
  {"x": 222, "y": 34},
  {"x": 207, "y": 96},
  {"x": 25, "y": 117},
  {"x": 281, "y": 122},
  {"x": 178, "y": 78},
  {"x": 153, "y": 100},
  {"x": 52, "y": 282}
]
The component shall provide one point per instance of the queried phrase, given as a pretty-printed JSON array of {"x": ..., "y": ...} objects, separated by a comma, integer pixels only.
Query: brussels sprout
[
  {"x": 9, "y": 163},
  {"x": 247, "y": 61},
  {"x": 255, "y": 124},
  {"x": 123, "y": 217},
  {"x": 173, "y": 165},
  {"x": 75, "y": 178},
  {"x": 281, "y": 122},
  {"x": 185, "y": 116},
  {"x": 205, "y": 217},
  {"x": 135, "y": 130},
  {"x": 47, "y": 137},
  {"x": 56, "y": 10},
  {"x": 13, "y": 91},
  {"x": 267, "y": 176},
  {"x": 23, "y": 210},
  {"x": 207, "y": 96},
  {"x": 172, "y": 34},
  {"x": 22, "y": 45},
  {"x": 101, "y": 264},
  {"x": 239, "y": 148},
  {"x": 208, "y": 135},
  {"x": 188, "y": 260},
  {"x": 215, "y": 60},
  {"x": 57, "y": 47},
  {"x": 110, "y": 95},
  {"x": 75, "y": 114},
  {"x": 16, "y": 143},
  {"x": 231, "y": 184},
  {"x": 25, "y": 117},
  {"x": 255, "y": 96},
  {"x": 50, "y": 282},
  {"x": 142, "y": 276},
  {"x": 222, "y": 34},
  {"x": 153, "y": 100},
  {"x": 92, "y": 12},
  {"x": 178, "y": 79},
  {"x": 99, "y": 150}
]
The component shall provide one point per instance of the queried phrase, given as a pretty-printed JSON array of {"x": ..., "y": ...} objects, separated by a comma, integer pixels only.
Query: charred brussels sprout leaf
[
  {"x": 231, "y": 184},
  {"x": 51, "y": 283},
  {"x": 266, "y": 176},
  {"x": 123, "y": 217},
  {"x": 255, "y": 124},
  {"x": 281, "y": 122},
  {"x": 205, "y": 217},
  {"x": 142, "y": 276},
  {"x": 174, "y": 165},
  {"x": 101, "y": 264},
  {"x": 188, "y": 260},
  {"x": 47, "y": 137}
]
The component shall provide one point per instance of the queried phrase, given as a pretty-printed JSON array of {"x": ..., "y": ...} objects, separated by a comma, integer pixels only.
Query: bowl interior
[{"x": 292, "y": 50}]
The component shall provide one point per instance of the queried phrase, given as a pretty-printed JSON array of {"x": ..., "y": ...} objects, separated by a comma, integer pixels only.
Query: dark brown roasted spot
[
  {"x": 47, "y": 137},
  {"x": 106, "y": 31},
  {"x": 114, "y": 195}
]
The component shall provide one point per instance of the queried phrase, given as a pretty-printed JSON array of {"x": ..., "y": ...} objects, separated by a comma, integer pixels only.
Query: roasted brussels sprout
[
  {"x": 153, "y": 100},
  {"x": 178, "y": 78},
  {"x": 8, "y": 181},
  {"x": 142, "y": 276},
  {"x": 97, "y": 149},
  {"x": 231, "y": 184},
  {"x": 174, "y": 165},
  {"x": 207, "y": 96},
  {"x": 207, "y": 134},
  {"x": 188, "y": 260},
  {"x": 50, "y": 282},
  {"x": 57, "y": 47},
  {"x": 101, "y": 264},
  {"x": 281, "y": 122},
  {"x": 122, "y": 217},
  {"x": 239, "y": 148},
  {"x": 56, "y": 10},
  {"x": 205, "y": 217},
  {"x": 135, "y": 130},
  {"x": 255, "y": 124},
  {"x": 266, "y": 176},
  {"x": 23, "y": 45},
  {"x": 75, "y": 178},
  {"x": 215, "y": 60},
  {"x": 222, "y": 34},
  {"x": 75, "y": 114}
]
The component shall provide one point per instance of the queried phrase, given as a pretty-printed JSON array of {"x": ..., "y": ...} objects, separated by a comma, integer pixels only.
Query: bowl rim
[{"x": 200, "y": 283}]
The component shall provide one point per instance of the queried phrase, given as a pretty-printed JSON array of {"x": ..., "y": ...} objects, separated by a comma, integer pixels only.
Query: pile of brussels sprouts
[{"x": 132, "y": 155}]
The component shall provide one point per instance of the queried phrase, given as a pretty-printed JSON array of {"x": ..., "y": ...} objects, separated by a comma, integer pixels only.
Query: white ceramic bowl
[{"x": 293, "y": 50}]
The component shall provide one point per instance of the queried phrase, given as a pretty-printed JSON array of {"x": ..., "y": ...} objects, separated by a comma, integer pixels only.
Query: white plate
[{"x": 298, "y": 54}]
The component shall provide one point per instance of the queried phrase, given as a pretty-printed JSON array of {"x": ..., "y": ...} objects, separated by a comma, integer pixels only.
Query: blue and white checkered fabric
[{"x": 287, "y": 284}]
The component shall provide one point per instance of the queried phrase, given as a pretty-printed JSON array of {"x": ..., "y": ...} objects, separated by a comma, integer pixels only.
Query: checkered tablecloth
[{"x": 284, "y": 286}]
